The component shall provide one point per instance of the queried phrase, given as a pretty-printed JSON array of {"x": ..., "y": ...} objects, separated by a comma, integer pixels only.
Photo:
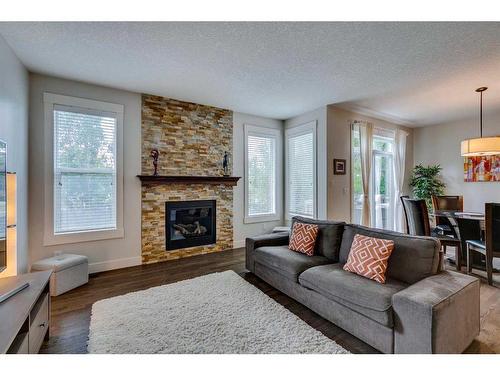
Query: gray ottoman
[{"x": 69, "y": 272}]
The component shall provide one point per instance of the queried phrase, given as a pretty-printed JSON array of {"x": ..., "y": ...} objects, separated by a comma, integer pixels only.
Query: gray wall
[
  {"x": 440, "y": 144},
  {"x": 242, "y": 230},
  {"x": 105, "y": 254},
  {"x": 14, "y": 131}
]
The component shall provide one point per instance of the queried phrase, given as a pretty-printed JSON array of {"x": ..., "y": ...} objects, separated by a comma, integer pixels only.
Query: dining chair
[
  {"x": 468, "y": 229},
  {"x": 447, "y": 203},
  {"x": 490, "y": 248},
  {"x": 418, "y": 224}
]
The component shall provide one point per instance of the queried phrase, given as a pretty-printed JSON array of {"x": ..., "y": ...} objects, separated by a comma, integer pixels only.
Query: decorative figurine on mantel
[
  {"x": 155, "y": 154},
  {"x": 225, "y": 164}
]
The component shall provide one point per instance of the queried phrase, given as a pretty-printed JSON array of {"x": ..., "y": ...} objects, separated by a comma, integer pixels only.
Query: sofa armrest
[
  {"x": 252, "y": 243},
  {"x": 439, "y": 314}
]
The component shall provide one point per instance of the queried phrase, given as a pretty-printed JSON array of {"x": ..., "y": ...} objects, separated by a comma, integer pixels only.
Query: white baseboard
[
  {"x": 237, "y": 244},
  {"x": 114, "y": 264}
]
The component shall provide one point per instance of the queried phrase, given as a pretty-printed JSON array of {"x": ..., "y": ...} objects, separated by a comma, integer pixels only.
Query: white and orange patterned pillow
[
  {"x": 303, "y": 238},
  {"x": 369, "y": 257}
]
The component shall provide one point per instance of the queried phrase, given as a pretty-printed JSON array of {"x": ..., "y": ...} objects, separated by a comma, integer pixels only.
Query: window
[
  {"x": 85, "y": 190},
  {"x": 301, "y": 171},
  {"x": 84, "y": 170},
  {"x": 262, "y": 166},
  {"x": 382, "y": 180}
]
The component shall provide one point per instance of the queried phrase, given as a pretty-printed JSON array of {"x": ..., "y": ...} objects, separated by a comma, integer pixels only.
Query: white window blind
[
  {"x": 301, "y": 166},
  {"x": 261, "y": 175},
  {"x": 85, "y": 194}
]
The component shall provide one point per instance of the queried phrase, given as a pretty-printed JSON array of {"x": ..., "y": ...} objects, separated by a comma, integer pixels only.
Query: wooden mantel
[{"x": 209, "y": 180}]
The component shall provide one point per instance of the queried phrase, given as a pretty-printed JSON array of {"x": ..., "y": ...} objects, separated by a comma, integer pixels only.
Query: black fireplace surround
[{"x": 189, "y": 223}]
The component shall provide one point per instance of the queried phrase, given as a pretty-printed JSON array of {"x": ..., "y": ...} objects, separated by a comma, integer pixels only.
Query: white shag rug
[{"x": 216, "y": 313}]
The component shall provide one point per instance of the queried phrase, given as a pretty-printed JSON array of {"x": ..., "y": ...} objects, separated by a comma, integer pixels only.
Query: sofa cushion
[
  {"x": 365, "y": 296},
  {"x": 303, "y": 238},
  {"x": 329, "y": 236},
  {"x": 369, "y": 256},
  {"x": 413, "y": 258},
  {"x": 290, "y": 263}
]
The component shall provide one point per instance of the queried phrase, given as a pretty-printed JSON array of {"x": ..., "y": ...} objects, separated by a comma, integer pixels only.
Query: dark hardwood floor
[{"x": 71, "y": 311}]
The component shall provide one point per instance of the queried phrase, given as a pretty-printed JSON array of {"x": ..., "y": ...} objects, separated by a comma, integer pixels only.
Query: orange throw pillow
[
  {"x": 369, "y": 257},
  {"x": 303, "y": 238}
]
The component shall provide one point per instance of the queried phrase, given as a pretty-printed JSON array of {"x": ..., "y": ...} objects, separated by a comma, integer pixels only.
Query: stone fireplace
[{"x": 190, "y": 190}]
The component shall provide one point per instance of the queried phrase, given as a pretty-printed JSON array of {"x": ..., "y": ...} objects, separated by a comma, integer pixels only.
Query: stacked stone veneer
[{"x": 191, "y": 139}]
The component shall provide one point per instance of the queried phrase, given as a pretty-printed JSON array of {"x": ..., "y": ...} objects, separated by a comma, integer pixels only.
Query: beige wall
[
  {"x": 339, "y": 147},
  {"x": 440, "y": 144},
  {"x": 104, "y": 254},
  {"x": 14, "y": 131}
]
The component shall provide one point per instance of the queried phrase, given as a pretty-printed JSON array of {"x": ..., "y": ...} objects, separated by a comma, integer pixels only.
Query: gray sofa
[{"x": 420, "y": 308}]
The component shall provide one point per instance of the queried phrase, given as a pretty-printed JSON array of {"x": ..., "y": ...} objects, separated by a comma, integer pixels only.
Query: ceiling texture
[{"x": 412, "y": 73}]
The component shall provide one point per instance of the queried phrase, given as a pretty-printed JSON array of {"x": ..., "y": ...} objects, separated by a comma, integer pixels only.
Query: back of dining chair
[
  {"x": 447, "y": 203},
  {"x": 468, "y": 229},
  {"x": 492, "y": 228},
  {"x": 417, "y": 216}
]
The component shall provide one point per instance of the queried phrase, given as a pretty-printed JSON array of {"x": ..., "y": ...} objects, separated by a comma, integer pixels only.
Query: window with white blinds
[
  {"x": 84, "y": 170},
  {"x": 261, "y": 177},
  {"x": 301, "y": 170}
]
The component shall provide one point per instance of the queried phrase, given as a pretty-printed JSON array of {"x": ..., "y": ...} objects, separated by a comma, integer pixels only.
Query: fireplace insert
[{"x": 189, "y": 223}]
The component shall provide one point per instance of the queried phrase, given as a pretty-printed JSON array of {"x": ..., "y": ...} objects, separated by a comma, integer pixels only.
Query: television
[{"x": 3, "y": 205}]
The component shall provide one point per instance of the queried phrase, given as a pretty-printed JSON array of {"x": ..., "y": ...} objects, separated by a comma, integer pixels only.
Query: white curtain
[
  {"x": 399, "y": 176},
  {"x": 366, "y": 146}
]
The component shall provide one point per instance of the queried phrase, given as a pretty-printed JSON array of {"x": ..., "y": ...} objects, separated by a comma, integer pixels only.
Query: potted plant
[{"x": 425, "y": 183}]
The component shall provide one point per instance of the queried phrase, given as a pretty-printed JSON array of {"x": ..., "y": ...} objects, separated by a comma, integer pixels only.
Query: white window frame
[
  {"x": 261, "y": 131},
  {"x": 50, "y": 238},
  {"x": 310, "y": 127}
]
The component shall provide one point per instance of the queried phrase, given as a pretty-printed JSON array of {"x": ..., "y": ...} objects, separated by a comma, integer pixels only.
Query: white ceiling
[{"x": 419, "y": 73}]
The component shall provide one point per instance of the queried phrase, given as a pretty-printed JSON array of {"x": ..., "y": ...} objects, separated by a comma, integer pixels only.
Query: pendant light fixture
[{"x": 482, "y": 145}]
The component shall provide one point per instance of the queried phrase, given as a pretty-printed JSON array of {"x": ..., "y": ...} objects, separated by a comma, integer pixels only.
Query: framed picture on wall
[
  {"x": 482, "y": 168},
  {"x": 339, "y": 166}
]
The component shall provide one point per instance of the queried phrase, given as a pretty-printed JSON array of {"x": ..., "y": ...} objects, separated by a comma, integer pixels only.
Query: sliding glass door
[
  {"x": 381, "y": 180},
  {"x": 382, "y": 191},
  {"x": 357, "y": 182}
]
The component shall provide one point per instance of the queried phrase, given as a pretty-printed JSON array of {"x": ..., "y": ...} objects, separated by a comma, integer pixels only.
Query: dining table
[
  {"x": 452, "y": 217},
  {"x": 459, "y": 214}
]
